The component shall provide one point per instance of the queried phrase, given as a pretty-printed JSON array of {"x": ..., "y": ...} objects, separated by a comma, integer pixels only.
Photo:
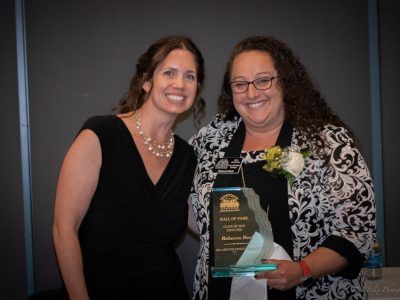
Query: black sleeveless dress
[{"x": 128, "y": 234}]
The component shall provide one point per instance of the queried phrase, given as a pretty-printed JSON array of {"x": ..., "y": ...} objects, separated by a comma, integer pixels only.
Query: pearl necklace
[{"x": 159, "y": 150}]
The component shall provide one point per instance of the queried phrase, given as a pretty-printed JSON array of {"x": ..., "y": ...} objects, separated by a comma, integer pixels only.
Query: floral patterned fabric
[{"x": 332, "y": 197}]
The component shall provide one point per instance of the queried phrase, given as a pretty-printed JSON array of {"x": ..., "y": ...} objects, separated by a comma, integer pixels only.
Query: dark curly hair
[
  {"x": 146, "y": 65},
  {"x": 305, "y": 108}
]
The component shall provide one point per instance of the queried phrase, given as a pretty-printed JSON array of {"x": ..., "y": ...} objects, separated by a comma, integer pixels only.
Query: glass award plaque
[{"x": 241, "y": 234}]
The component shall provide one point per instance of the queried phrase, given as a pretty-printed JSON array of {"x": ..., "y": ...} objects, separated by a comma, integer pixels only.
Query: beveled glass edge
[
  {"x": 241, "y": 270},
  {"x": 222, "y": 189}
]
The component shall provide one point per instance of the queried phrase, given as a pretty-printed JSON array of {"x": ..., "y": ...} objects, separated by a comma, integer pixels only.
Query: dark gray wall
[
  {"x": 81, "y": 56},
  {"x": 390, "y": 66},
  {"x": 12, "y": 248}
]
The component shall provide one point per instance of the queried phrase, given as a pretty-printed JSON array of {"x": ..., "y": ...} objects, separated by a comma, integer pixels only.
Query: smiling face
[
  {"x": 261, "y": 110},
  {"x": 174, "y": 83}
]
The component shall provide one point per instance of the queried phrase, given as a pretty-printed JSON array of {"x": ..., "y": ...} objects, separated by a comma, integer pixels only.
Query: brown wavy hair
[
  {"x": 305, "y": 108},
  {"x": 149, "y": 61}
]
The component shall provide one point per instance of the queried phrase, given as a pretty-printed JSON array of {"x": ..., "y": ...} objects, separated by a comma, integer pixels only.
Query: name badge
[{"x": 228, "y": 165}]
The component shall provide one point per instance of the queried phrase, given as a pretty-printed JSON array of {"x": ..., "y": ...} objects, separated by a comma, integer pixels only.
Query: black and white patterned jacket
[{"x": 331, "y": 197}]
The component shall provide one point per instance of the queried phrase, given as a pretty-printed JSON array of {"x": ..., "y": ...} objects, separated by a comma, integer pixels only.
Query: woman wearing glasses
[{"x": 321, "y": 208}]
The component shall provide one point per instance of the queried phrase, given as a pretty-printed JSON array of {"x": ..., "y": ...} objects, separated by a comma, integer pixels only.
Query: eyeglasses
[{"x": 263, "y": 83}]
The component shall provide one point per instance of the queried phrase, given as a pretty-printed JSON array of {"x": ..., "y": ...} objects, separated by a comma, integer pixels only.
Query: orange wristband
[{"x": 307, "y": 278}]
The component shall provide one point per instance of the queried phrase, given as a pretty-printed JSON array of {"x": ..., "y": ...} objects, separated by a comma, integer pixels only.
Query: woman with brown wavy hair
[
  {"x": 320, "y": 205},
  {"x": 121, "y": 201}
]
